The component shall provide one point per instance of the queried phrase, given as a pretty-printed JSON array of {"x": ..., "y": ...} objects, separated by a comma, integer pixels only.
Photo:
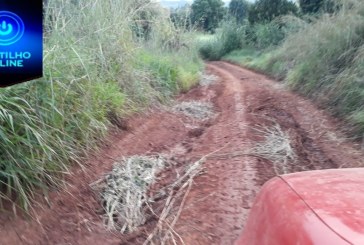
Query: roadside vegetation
[
  {"x": 315, "y": 47},
  {"x": 103, "y": 60}
]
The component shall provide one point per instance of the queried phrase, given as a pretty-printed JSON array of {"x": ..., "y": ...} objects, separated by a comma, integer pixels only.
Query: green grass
[
  {"x": 228, "y": 37},
  {"x": 95, "y": 70},
  {"x": 328, "y": 65},
  {"x": 256, "y": 60},
  {"x": 242, "y": 56},
  {"x": 322, "y": 61}
]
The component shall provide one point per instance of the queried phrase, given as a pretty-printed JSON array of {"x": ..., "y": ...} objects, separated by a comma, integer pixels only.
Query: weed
[
  {"x": 321, "y": 59},
  {"x": 91, "y": 70}
]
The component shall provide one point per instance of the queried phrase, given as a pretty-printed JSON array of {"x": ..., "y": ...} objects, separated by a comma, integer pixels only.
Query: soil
[{"x": 217, "y": 206}]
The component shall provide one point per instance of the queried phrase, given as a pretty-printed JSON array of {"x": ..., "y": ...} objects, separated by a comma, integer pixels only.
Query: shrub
[
  {"x": 229, "y": 37},
  {"x": 311, "y": 6},
  {"x": 239, "y": 10},
  {"x": 270, "y": 34},
  {"x": 264, "y": 11},
  {"x": 325, "y": 62},
  {"x": 207, "y": 14}
]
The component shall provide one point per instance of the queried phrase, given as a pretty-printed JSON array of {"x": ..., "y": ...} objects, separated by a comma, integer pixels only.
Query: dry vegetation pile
[{"x": 195, "y": 109}]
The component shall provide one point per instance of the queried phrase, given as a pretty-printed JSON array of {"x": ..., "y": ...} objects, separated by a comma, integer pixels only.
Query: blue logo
[{"x": 11, "y": 28}]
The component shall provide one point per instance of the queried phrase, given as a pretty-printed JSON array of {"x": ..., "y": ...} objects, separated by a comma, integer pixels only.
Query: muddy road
[{"x": 253, "y": 115}]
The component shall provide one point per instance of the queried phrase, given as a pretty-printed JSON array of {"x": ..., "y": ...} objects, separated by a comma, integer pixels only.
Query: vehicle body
[{"x": 324, "y": 207}]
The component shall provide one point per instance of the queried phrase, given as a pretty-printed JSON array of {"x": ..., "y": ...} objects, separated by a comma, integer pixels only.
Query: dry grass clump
[
  {"x": 128, "y": 202},
  {"x": 207, "y": 79},
  {"x": 195, "y": 109},
  {"x": 176, "y": 195},
  {"x": 123, "y": 191},
  {"x": 276, "y": 148}
]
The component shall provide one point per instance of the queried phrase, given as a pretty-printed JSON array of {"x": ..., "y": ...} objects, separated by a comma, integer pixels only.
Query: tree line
[{"x": 207, "y": 14}]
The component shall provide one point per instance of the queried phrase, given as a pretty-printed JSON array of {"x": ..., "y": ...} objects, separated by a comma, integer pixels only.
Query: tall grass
[
  {"x": 325, "y": 62},
  {"x": 230, "y": 36},
  {"x": 95, "y": 70},
  {"x": 264, "y": 36}
]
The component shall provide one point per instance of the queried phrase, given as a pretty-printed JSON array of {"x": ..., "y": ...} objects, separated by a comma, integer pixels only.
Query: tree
[
  {"x": 206, "y": 14},
  {"x": 317, "y": 6},
  {"x": 239, "y": 10},
  {"x": 264, "y": 11},
  {"x": 311, "y": 6}
]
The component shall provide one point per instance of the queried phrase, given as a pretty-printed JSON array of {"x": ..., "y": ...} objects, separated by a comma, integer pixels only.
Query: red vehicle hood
[{"x": 336, "y": 197}]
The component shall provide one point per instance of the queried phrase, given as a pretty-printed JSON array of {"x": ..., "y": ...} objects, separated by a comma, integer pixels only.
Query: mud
[{"x": 218, "y": 204}]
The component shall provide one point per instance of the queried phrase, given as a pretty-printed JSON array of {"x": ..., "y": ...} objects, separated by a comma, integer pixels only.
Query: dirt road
[{"x": 250, "y": 110}]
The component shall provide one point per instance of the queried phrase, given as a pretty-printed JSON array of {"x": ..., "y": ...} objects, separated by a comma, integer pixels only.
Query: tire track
[{"x": 248, "y": 173}]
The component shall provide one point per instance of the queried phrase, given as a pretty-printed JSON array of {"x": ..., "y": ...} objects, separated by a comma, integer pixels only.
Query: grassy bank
[
  {"x": 97, "y": 68},
  {"x": 322, "y": 61}
]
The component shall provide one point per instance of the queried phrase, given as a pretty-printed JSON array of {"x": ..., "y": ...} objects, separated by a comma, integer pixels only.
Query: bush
[
  {"x": 263, "y": 36},
  {"x": 232, "y": 36},
  {"x": 267, "y": 35},
  {"x": 325, "y": 62},
  {"x": 311, "y": 6},
  {"x": 264, "y": 11},
  {"x": 207, "y": 14},
  {"x": 239, "y": 10},
  {"x": 228, "y": 38}
]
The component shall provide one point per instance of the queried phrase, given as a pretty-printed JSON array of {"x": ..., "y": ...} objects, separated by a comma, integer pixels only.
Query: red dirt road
[{"x": 219, "y": 202}]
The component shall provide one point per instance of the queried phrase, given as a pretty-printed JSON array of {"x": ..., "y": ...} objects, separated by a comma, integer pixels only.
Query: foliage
[
  {"x": 181, "y": 17},
  {"x": 242, "y": 56},
  {"x": 143, "y": 17},
  {"x": 233, "y": 36},
  {"x": 263, "y": 11},
  {"x": 239, "y": 9},
  {"x": 229, "y": 37},
  {"x": 310, "y": 6},
  {"x": 92, "y": 75},
  {"x": 207, "y": 14},
  {"x": 324, "y": 62},
  {"x": 263, "y": 36},
  {"x": 266, "y": 35}
]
